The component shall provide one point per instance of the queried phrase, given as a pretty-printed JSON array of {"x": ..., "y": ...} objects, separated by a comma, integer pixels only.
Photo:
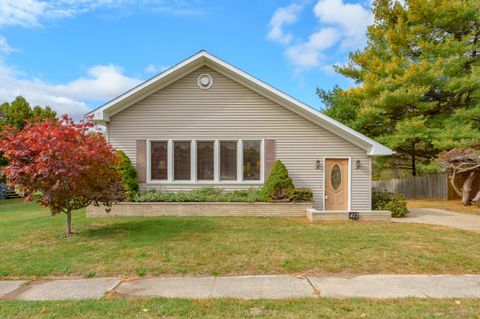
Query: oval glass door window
[{"x": 336, "y": 177}]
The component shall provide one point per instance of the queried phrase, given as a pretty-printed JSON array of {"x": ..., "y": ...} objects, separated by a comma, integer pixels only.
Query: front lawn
[
  {"x": 231, "y": 308},
  {"x": 32, "y": 244},
  {"x": 453, "y": 205}
]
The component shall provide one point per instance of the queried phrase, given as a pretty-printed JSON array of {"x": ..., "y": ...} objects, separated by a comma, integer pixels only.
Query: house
[{"x": 205, "y": 123}]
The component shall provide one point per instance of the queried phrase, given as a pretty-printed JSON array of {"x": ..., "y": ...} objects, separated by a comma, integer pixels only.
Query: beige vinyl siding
[{"x": 229, "y": 110}]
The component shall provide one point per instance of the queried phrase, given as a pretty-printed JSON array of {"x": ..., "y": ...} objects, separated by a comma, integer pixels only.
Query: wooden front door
[{"x": 336, "y": 184}]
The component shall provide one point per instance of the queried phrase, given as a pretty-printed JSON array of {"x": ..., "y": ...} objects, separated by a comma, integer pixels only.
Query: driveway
[{"x": 441, "y": 217}]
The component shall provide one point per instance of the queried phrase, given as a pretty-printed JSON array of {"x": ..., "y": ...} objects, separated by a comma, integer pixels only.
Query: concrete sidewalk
[{"x": 249, "y": 287}]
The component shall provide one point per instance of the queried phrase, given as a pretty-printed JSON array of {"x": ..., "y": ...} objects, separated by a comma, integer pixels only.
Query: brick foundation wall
[{"x": 201, "y": 209}]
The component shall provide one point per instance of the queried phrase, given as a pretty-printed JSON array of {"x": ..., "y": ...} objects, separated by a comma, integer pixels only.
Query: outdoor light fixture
[
  {"x": 357, "y": 164},
  {"x": 317, "y": 164}
]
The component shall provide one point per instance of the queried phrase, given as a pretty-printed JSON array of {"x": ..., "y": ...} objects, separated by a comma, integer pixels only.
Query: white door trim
[{"x": 349, "y": 180}]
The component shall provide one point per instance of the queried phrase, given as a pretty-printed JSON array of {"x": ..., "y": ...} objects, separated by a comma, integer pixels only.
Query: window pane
[
  {"x": 251, "y": 160},
  {"x": 159, "y": 161},
  {"x": 228, "y": 161},
  {"x": 181, "y": 160},
  {"x": 205, "y": 160}
]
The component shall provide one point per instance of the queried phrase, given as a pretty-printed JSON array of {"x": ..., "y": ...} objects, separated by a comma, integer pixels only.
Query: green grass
[
  {"x": 32, "y": 245},
  {"x": 230, "y": 308}
]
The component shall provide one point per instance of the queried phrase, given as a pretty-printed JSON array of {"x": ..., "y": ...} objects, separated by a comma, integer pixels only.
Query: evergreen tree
[{"x": 418, "y": 80}]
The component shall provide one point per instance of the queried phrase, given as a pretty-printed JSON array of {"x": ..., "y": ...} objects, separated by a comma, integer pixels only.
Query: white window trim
[
  {"x": 216, "y": 162},
  {"x": 240, "y": 161}
]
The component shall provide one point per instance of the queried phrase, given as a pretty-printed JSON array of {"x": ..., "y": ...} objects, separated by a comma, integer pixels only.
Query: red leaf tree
[{"x": 69, "y": 164}]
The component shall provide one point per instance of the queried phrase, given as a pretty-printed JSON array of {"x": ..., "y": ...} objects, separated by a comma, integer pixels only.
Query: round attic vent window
[{"x": 205, "y": 81}]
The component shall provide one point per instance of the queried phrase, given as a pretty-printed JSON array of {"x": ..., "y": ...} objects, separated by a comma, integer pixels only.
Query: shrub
[
  {"x": 201, "y": 195},
  {"x": 301, "y": 195},
  {"x": 128, "y": 174},
  {"x": 385, "y": 200},
  {"x": 279, "y": 185}
]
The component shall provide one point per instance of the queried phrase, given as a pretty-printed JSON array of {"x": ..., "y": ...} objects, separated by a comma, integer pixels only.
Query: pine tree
[{"x": 418, "y": 80}]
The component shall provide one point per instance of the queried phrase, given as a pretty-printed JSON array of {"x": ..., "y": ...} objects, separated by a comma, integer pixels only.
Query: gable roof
[{"x": 103, "y": 113}]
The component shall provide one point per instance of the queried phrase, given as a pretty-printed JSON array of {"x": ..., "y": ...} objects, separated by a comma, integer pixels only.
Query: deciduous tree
[
  {"x": 69, "y": 164},
  {"x": 465, "y": 163}
]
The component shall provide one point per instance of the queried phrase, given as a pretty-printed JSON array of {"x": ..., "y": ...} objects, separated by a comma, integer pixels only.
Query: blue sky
[{"x": 75, "y": 54}]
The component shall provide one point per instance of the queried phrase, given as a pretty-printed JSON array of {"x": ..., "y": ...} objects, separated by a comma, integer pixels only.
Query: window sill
[{"x": 204, "y": 183}]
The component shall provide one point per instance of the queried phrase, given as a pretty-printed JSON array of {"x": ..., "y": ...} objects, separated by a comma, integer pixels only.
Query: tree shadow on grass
[{"x": 150, "y": 226}]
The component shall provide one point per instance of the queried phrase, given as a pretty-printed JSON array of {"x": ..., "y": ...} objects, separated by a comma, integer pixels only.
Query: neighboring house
[{"x": 205, "y": 123}]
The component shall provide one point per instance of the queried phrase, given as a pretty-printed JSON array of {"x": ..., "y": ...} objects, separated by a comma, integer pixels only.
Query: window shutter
[
  {"x": 141, "y": 164},
  {"x": 270, "y": 156}
]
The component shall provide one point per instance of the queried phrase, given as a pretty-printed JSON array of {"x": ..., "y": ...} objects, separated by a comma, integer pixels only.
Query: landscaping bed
[
  {"x": 201, "y": 209},
  {"x": 207, "y": 202}
]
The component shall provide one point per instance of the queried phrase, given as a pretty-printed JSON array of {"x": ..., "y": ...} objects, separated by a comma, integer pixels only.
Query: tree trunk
[
  {"x": 454, "y": 185},
  {"x": 476, "y": 199},
  {"x": 467, "y": 187},
  {"x": 68, "y": 229},
  {"x": 414, "y": 165}
]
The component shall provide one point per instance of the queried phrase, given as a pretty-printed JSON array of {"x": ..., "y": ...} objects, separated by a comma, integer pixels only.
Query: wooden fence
[{"x": 435, "y": 186}]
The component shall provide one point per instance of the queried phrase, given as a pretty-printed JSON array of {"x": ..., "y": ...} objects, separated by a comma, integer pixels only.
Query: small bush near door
[
  {"x": 385, "y": 200},
  {"x": 301, "y": 195}
]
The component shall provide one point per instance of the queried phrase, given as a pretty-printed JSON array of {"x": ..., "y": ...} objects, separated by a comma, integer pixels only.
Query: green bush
[
  {"x": 279, "y": 185},
  {"x": 301, "y": 195},
  {"x": 385, "y": 200},
  {"x": 128, "y": 174},
  {"x": 201, "y": 195}
]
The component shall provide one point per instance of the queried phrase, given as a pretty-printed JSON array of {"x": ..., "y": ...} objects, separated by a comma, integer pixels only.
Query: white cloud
[
  {"x": 31, "y": 13},
  {"x": 21, "y": 12},
  {"x": 102, "y": 82},
  {"x": 5, "y": 47},
  {"x": 342, "y": 25},
  {"x": 309, "y": 54},
  {"x": 151, "y": 68},
  {"x": 283, "y": 16},
  {"x": 351, "y": 19}
]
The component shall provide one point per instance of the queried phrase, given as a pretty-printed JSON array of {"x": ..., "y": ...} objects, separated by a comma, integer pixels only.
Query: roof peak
[{"x": 103, "y": 113}]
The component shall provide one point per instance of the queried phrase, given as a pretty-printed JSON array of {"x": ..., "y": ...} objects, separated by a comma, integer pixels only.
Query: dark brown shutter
[
  {"x": 270, "y": 156},
  {"x": 142, "y": 161}
]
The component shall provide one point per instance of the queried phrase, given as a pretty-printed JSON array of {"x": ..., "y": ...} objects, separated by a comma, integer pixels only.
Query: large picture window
[
  {"x": 251, "y": 160},
  {"x": 207, "y": 161},
  {"x": 181, "y": 160},
  {"x": 228, "y": 160},
  {"x": 205, "y": 158},
  {"x": 159, "y": 161}
]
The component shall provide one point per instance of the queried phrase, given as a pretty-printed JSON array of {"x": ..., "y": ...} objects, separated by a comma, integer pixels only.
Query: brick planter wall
[{"x": 201, "y": 209}]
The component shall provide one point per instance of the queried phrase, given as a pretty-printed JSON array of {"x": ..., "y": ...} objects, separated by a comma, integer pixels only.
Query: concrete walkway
[
  {"x": 249, "y": 287},
  {"x": 441, "y": 217}
]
